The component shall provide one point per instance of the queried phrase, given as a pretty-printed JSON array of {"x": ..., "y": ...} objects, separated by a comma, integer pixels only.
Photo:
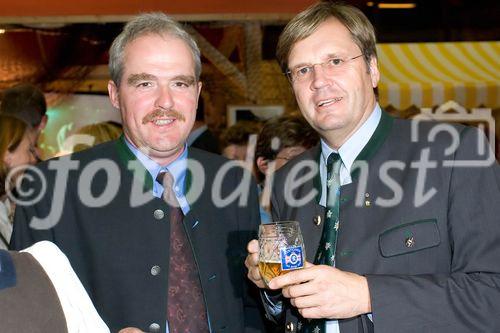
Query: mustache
[{"x": 159, "y": 113}]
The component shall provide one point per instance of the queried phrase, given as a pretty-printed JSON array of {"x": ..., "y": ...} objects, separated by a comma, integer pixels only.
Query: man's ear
[
  {"x": 113, "y": 94},
  {"x": 200, "y": 84},
  {"x": 262, "y": 164},
  {"x": 374, "y": 72},
  {"x": 43, "y": 123},
  {"x": 7, "y": 158}
]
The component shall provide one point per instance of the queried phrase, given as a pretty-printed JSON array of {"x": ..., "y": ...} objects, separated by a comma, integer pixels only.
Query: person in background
[
  {"x": 27, "y": 103},
  {"x": 141, "y": 218},
  {"x": 16, "y": 152},
  {"x": 201, "y": 136},
  {"x": 400, "y": 218},
  {"x": 279, "y": 141},
  {"x": 40, "y": 292},
  {"x": 236, "y": 138},
  {"x": 95, "y": 134}
]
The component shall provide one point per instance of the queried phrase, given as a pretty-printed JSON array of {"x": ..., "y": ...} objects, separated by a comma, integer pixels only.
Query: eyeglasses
[{"x": 332, "y": 66}]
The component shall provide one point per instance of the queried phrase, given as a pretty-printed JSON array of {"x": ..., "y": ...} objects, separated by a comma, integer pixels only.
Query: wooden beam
[
  {"x": 253, "y": 58},
  {"x": 232, "y": 17},
  {"x": 58, "y": 8},
  {"x": 223, "y": 64},
  {"x": 230, "y": 40}
]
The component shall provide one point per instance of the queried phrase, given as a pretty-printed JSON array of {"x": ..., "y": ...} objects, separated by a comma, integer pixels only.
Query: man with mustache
[
  {"x": 150, "y": 226},
  {"x": 400, "y": 218}
]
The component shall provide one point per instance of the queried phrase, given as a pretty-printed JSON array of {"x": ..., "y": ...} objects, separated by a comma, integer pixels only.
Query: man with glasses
[{"x": 399, "y": 218}]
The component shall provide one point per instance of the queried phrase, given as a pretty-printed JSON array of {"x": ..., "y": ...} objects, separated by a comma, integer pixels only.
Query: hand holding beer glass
[{"x": 281, "y": 249}]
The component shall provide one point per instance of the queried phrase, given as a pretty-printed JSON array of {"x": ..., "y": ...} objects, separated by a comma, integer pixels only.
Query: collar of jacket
[
  {"x": 377, "y": 139},
  {"x": 127, "y": 156}
]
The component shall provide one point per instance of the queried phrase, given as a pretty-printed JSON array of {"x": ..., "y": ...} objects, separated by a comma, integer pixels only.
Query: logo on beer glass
[{"x": 291, "y": 258}]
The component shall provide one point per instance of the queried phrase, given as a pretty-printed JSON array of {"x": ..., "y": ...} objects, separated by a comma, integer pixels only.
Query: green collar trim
[
  {"x": 126, "y": 156},
  {"x": 317, "y": 179},
  {"x": 377, "y": 139}
]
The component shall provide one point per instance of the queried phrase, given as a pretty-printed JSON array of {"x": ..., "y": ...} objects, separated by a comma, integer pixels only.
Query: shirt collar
[
  {"x": 355, "y": 144},
  {"x": 176, "y": 168}
]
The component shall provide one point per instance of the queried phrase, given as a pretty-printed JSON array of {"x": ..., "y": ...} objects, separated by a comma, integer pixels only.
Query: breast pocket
[{"x": 409, "y": 237}]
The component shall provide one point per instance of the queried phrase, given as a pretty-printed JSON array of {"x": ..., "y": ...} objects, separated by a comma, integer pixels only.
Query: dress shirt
[
  {"x": 177, "y": 169},
  {"x": 265, "y": 216}
]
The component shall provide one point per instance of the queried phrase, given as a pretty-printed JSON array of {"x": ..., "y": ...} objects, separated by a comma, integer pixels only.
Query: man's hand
[
  {"x": 130, "y": 330},
  {"x": 252, "y": 263},
  {"x": 320, "y": 291}
]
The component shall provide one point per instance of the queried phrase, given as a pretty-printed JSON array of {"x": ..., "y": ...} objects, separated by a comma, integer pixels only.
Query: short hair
[
  {"x": 101, "y": 132},
  {"x": 25, "y": 102},
  {"x": 145, "y": 24},
  {"x": 12, "y": 131},
  {"x": 239, "y": 133},
  {"x": 290, "y": 130},
  {"x": 305, "y": 24}
]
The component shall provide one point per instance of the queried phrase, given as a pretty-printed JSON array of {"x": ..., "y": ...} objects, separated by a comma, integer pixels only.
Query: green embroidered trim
[
  {"x": 381, "y": 132},
  {"x": 317, "y": 179},
  {"x": 378, "y": 138},
  {"x": 126, "y": 156}
]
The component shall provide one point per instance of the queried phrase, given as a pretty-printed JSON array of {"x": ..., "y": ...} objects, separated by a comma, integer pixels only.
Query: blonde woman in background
[
  {"x": 98, "y": 133},
  {"x": 16, "y": 150}
]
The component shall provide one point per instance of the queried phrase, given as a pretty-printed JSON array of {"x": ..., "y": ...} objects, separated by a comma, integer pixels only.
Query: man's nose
[
  {"x": 165, "y": 98},
  {"x": 319, "y": 77}
]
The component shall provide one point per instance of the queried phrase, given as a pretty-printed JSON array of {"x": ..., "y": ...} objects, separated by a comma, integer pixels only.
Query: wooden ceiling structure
[
  {"x": 62, "y": 46},
  {"x": 95, "y": 11}
]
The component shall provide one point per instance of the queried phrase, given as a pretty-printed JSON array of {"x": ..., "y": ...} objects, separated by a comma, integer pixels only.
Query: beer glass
[{"x": 281, "y": 249}]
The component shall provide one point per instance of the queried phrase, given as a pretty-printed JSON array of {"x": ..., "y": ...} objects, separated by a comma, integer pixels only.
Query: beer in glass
[{"x": 281, "y": 249}]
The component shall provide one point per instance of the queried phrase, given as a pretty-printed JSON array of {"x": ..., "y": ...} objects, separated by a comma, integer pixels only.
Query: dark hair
[
  {"x": 239, "y": 133},
  {"x": 11, "y": 134},
  {"x": 287, "y": 131},
  {"x": 25, "y": 102}
]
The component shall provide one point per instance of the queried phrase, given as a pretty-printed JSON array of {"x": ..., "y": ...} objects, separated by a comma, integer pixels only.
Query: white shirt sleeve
[{"x": 80, "y": 313}]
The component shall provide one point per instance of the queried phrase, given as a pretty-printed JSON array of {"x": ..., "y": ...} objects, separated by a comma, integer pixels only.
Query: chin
[
  {"x": 166, "y": 147},
  {"x": 326, "y": 126}
]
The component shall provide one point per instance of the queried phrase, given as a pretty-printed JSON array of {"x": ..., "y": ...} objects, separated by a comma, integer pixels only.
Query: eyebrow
[
  {"x": 188, "y": 79},
  {"x": 134, "y": 78},
  {"x": 327, "y": 57}
]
